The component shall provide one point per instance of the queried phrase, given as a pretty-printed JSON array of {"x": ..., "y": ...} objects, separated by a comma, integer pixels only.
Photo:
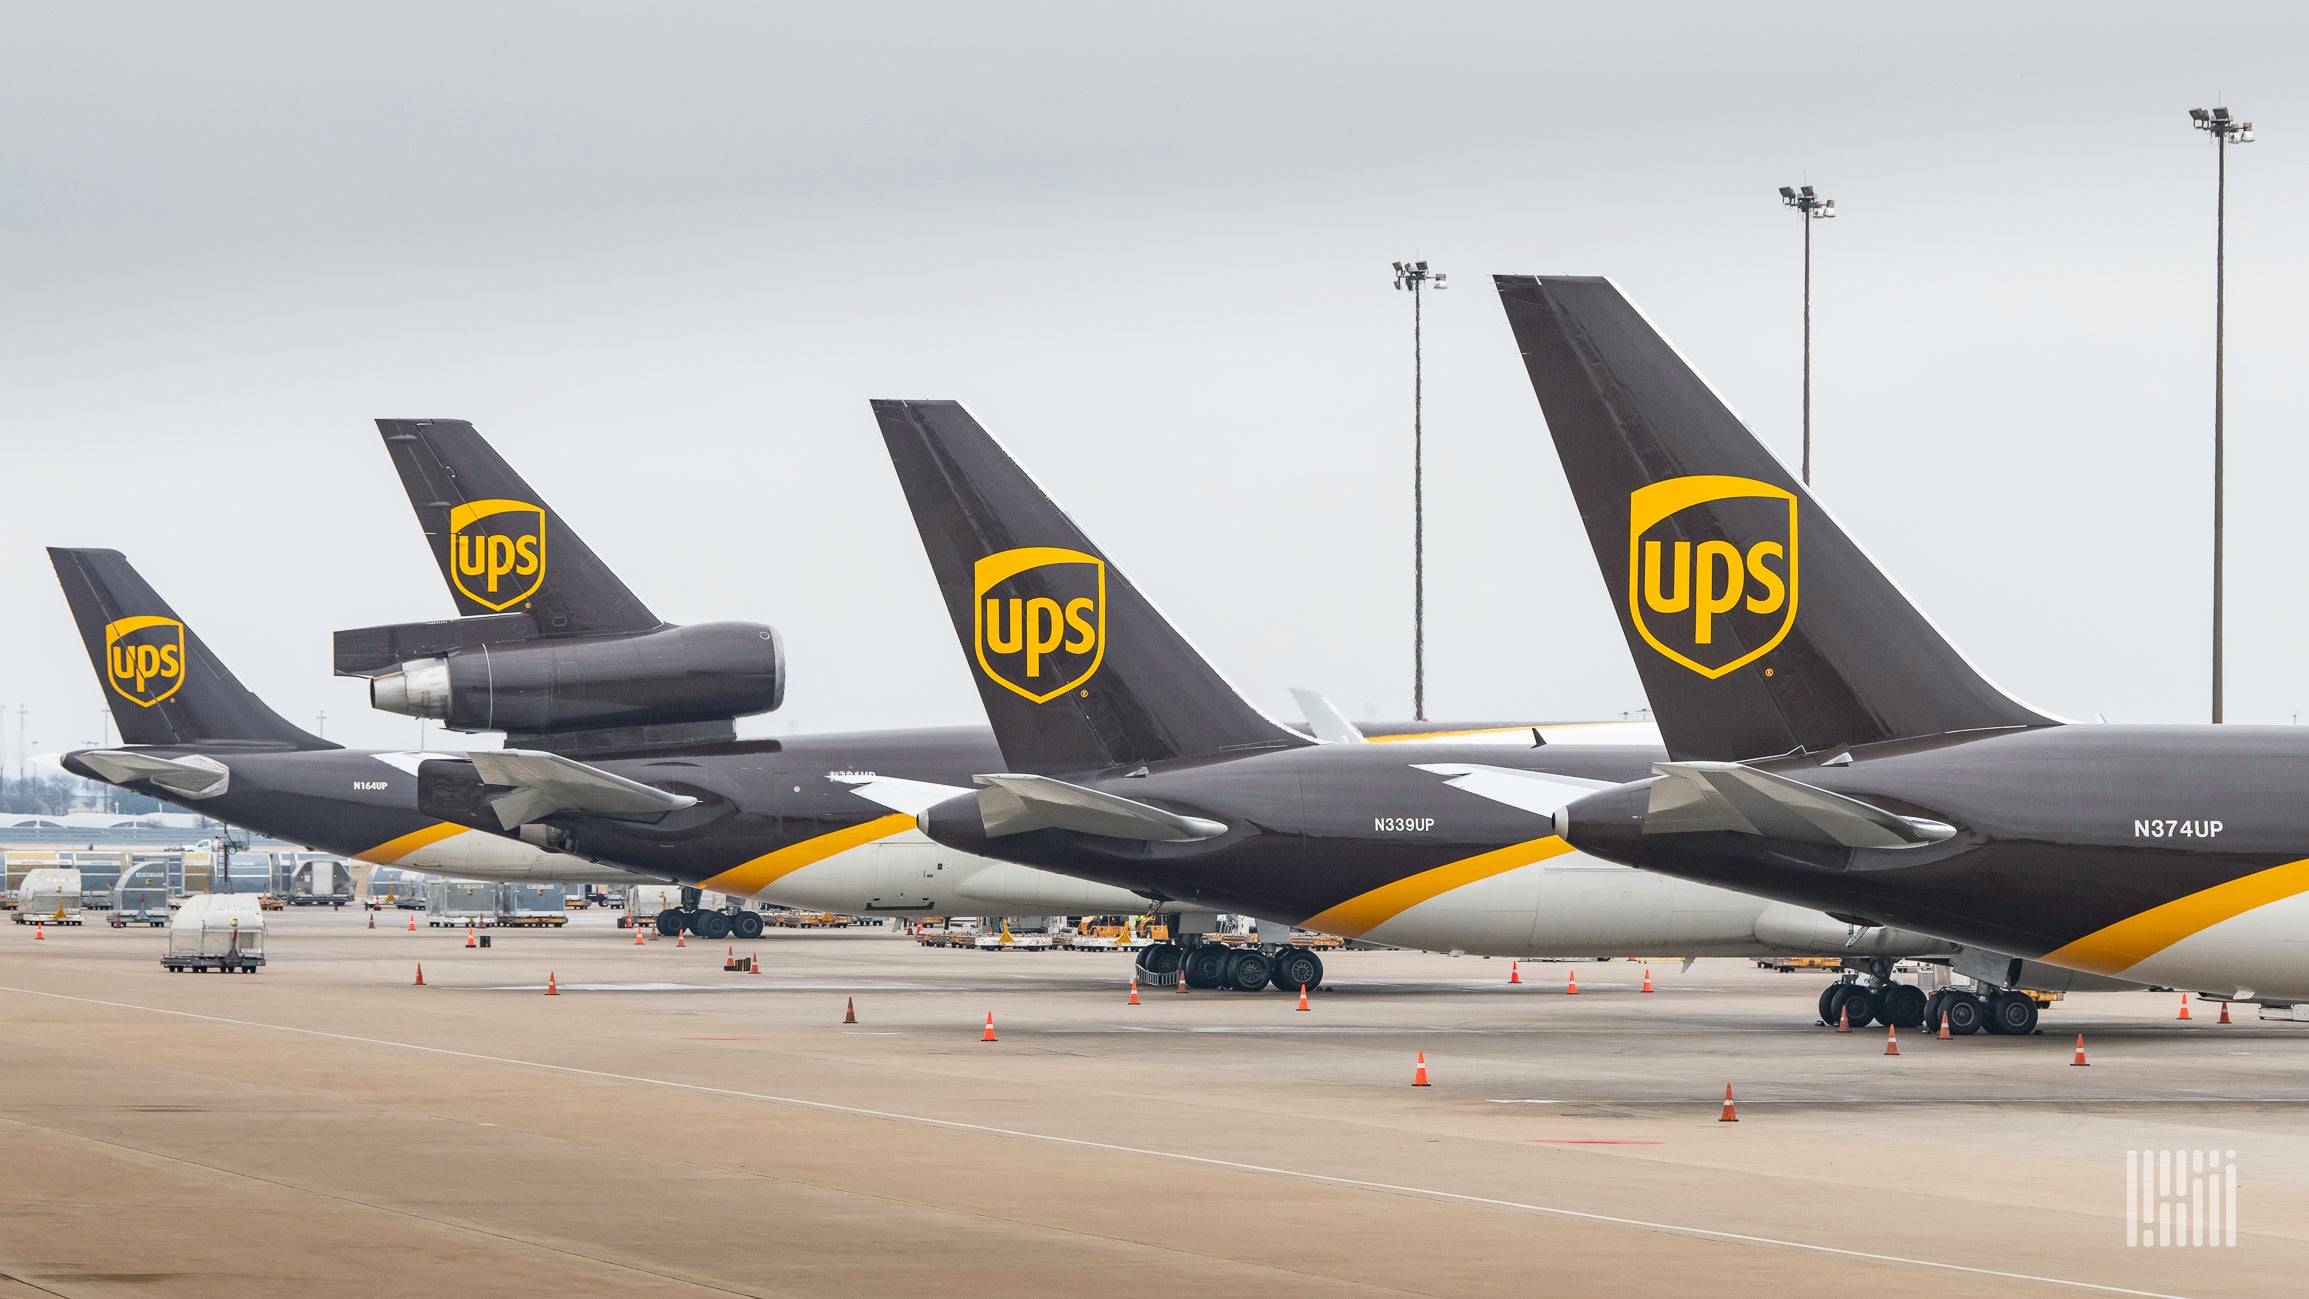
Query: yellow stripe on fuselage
[
  {"x": 393, "y": 850},
  {"x": 2130, "y": 941},
  {"x": 1365, "y": 912},
  {"x": 1442, "y": 735},
  {"x": 748, "y": 878}
]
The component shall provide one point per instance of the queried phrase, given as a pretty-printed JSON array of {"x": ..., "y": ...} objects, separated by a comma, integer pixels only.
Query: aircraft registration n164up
[
  {"x": 1828, "y": 748},
  {"x": 1128, "y": 760}
]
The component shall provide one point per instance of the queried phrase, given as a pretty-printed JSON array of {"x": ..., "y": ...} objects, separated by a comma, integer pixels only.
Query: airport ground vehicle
[
  {"x": 224, "y": 932},
  {"x": 49, "y": 895}
]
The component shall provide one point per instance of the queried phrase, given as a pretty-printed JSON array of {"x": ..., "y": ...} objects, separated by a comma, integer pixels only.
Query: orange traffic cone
[
  {"x": 1571, "y": 983},
  {"x": 2224, "y": 1013},
  {"x": 1182, "y": 978},
  {"x": 1647, "y": 979},
  {"x": 2080, "y": 1050},
  {"x": 756, "y": 958},
  {"x": 677, "y": 940},
  {"x": 39, "y": 932},
  {"x": 1419, "y": 1071},
  {"x": 850, "y": 1010},
  {"x": 1843, "y": 1018},
  {"x": 372, "y": 920},
  {"x": 412, "y": 923},
  {"x": 989, "y": 1028},
  {"x": 637, "y": 935},
  {"x": 420, "y": 974},
  {"x": 1515, "y": 971},
  {"x": 1944, "y": 1033},
  {"x": 469, "y": 937},
  {"x": 1729, "y": 1115},
  {"x": 552, "y": 986},
  {"x": 1891, "y": 1040},
  {"x": 1303, "y": 998},
  {"x": 1134, "y": 990},
  {"x": 2184, "y": 1005}
]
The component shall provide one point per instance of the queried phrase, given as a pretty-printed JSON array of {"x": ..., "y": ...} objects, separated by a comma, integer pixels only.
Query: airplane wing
[
  {"x": 1325, "y": 720},
  {"x": 192, "y": 776},
  {"x": 1537, "y": 792},
  {"x": 1015, "y": 804},
  {"x": 1694, "y": 796},
  {"x": 913, "y": 797},
  {"x": 546, "y": 783}
]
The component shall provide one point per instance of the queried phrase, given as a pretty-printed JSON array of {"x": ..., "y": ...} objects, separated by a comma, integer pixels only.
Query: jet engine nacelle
[{"x": 707, "y": 672}]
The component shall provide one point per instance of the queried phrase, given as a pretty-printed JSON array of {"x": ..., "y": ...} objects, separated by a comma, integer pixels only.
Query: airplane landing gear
[
  {"x": 2011, "y": 1014},
  {"x": 1248, "y": 969},
  {"x": 1296, "y": 968},
  {"x": 1158, "y": 964}
]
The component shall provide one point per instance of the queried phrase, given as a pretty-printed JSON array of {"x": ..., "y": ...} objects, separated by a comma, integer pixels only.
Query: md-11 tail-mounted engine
[{"x": 621, "y": 691}]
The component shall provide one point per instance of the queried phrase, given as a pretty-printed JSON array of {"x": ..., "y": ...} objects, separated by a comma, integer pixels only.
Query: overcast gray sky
[{"x": 663, "y": 254}]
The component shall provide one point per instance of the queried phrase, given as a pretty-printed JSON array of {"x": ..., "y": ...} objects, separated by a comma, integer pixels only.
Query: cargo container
[
  {"x": 216, "y": 931},
  {"x": 50, "y": 895},
  {"x": 141, "y": 896},
  {"x": 532, "y": 904},
  {"x": 458, "y": 903},
  {"x": 320, "y": 882},
  {"x": 391, "y": 886}
]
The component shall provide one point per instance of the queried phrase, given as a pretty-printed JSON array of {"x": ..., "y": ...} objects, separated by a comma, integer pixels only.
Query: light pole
[
  {"x": 1811, "y": 207},
  {"x": 1416, "y": 277},
  {"x": 2225, "y": 130}
]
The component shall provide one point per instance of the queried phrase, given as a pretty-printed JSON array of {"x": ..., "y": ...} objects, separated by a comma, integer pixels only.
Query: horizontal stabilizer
[
  {"x": 913, "y": 797},
  {"x": 1700, "y": 796},
  {"x": 546, "y": 783},
  {"x": 1014, "y": 804},
  {"x": 1538, "y": 792},
  {"x": 1325, "y": 720},
  {"x": 187, "y": 777}
]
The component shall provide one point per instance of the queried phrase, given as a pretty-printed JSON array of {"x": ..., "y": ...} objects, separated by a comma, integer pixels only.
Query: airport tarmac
[{"x": 662, "y": 1127}]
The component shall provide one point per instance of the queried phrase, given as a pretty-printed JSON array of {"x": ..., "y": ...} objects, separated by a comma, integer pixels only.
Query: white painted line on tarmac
[{"x": 1357, "y": 1183}]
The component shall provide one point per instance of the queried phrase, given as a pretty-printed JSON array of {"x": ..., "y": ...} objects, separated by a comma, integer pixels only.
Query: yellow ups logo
[
  {"x": 497, "y": 551},
  {"x": 1714, "y": 605},
  {"x": 144, "y": 658},
  {"x": 1040, "y": 619}
]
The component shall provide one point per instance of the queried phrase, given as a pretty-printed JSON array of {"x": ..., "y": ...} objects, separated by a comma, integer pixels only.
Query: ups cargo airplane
[
  {"x": 1829, "y": 749},
  {"x": 571, "y": 657},
  {"x": 1126, "y": 761}
]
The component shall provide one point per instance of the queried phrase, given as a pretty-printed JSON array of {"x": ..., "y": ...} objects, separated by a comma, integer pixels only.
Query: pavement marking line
[{"x": 1452, "y": 1197}]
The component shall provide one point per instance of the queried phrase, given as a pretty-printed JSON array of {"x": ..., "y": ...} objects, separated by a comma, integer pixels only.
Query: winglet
[{"x": 1324, "y": 718}]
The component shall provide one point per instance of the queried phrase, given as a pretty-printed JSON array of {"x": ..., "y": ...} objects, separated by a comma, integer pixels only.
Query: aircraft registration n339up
[
  {"x": 1128, "y": 760},
  {"x": 1828, "y": 748}
]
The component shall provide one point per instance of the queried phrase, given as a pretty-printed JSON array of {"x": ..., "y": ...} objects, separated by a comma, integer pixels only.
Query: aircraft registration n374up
[{"x": 1830, "y": 749}]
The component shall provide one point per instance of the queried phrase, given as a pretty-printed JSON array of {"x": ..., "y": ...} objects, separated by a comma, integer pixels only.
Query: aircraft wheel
[
  {"x": 1857, "y": 1003},
  {"x": 669, "y": 923},
  {"x": 746, "y": 924},
  {"x": 713, "y": 926},
  {"x": 1965, "y": 1013},
  {"x": 1903, "y": 1005},
  {"x": 1296, "y": 968},
  {"x": 1205, "y": 966},
  {"x": 1249, "y": 970},
  {"x": 1828, "y": 997},
  {"x": 2012, "y": 1015},
  {"x": 1932, "y": 1007},
  {"x": 1158, "y": 964}
]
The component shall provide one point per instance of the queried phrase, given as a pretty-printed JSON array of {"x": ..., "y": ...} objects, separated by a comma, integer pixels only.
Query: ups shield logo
[
  {"x": 1712, "y": 605},
  {"x": 144, "y": 658},
  {"x": 1040, "y": 615},
  {"x": 497, "y": 551}
]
